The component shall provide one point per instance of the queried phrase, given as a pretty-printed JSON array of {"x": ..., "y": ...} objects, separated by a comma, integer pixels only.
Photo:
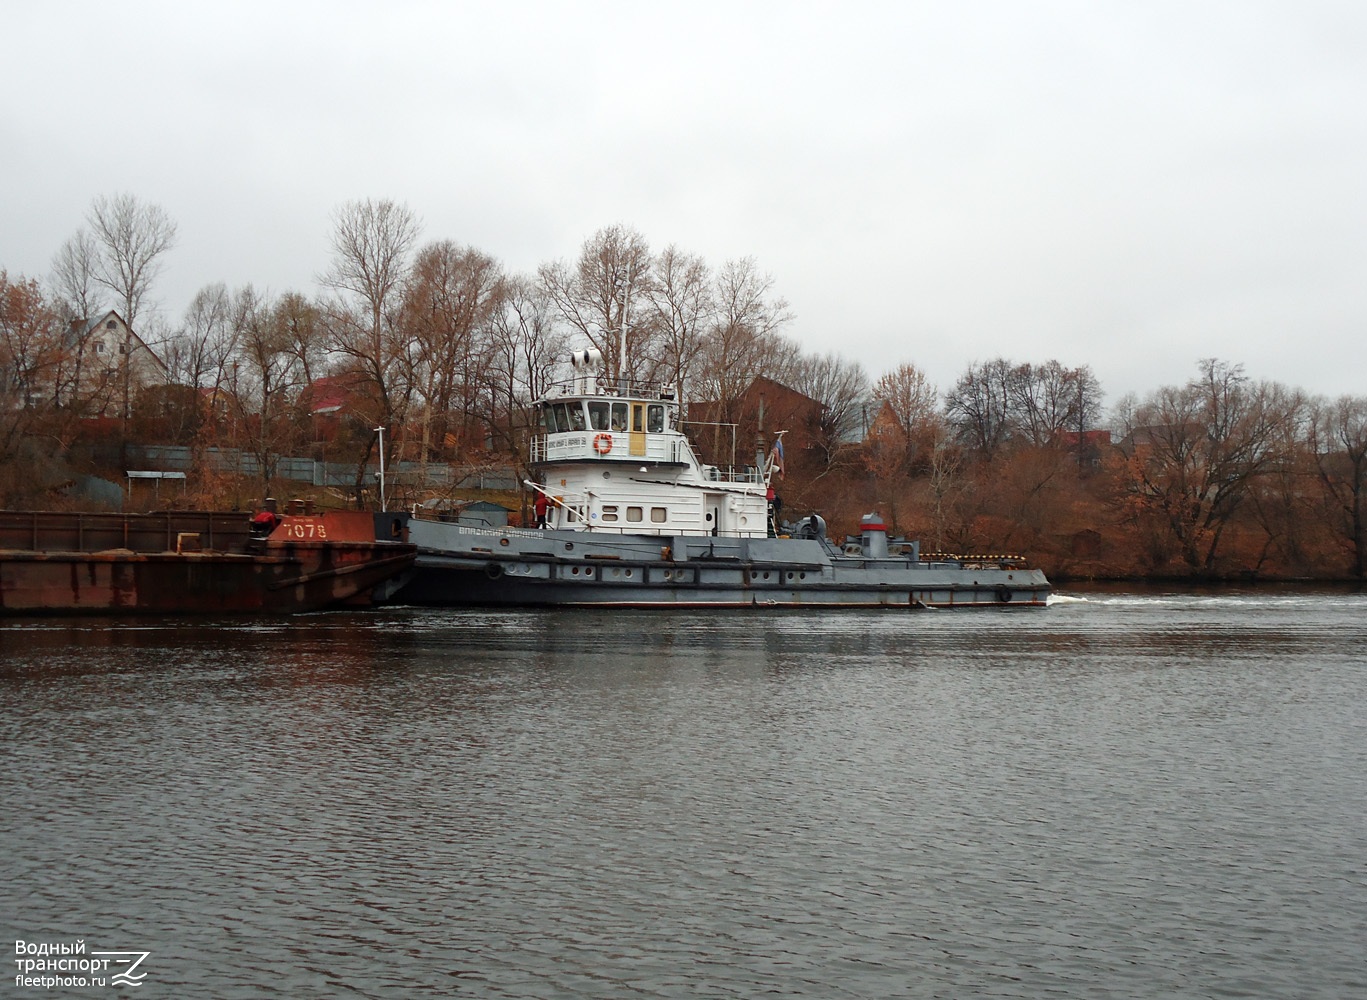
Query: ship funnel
[{"x": 873, "y": 536}]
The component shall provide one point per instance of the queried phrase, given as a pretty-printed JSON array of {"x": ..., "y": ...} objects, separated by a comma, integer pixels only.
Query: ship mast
[{"x": 622, "y": 331}]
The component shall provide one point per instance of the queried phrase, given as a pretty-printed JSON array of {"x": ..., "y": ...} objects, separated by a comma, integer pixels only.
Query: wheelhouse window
[
  {"x": 576, "y": 416},
  {"x": 619, "y": 416},
  {"x": 655, "y": 418},
  {"x": 599, "y": 415},
  {"x": 638, "y": 418}
]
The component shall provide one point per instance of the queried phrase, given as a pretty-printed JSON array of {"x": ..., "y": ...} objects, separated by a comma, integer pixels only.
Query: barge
[{"x": 195, "y": 562}]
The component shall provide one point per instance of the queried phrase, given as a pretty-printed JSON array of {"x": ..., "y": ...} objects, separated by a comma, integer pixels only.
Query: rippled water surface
[{"x": 1125, "y": 795}]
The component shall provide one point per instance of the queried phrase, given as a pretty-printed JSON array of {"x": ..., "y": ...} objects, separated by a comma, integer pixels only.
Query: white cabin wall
[{"x": 593, "y": 465}]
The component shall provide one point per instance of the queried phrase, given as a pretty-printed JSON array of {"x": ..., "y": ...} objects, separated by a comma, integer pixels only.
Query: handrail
[{"x": 623, "y": 388}]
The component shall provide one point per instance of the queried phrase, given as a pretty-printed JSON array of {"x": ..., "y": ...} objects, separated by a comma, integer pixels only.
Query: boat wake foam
[{"x": 1066, "y": 599}]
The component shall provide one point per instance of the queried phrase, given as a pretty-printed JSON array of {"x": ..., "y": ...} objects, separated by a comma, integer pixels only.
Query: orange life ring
[{"x": 602, "y": 443}]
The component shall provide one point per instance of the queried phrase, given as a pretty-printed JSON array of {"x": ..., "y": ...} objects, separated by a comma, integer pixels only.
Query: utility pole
[{"x": 380, "y": 431}]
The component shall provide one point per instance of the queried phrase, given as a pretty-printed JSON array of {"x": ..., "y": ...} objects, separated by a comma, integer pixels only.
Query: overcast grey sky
[{"x": 1128, "y": 185}]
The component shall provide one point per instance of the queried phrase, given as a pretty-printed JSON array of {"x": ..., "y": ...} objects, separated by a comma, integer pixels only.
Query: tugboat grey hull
[
  {"x": 473, "y": 567},
  {"x": 631, "y": 517}
]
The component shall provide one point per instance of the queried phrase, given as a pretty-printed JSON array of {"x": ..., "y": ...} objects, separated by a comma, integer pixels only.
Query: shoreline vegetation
[{"x": 435, "y": 354}]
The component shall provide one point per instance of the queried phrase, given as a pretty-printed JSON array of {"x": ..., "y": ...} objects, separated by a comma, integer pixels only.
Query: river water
[{"x": 1126, "y": 795}]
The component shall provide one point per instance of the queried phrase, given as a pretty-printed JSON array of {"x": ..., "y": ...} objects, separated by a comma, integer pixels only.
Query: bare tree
[
  {"x": 743, "y": 341},
  {"x": 684, "y": 307},
  {"x": 842, "y": 389},
  {"x": 76, "y": 299},
  {"x": 267, "y": 378},
  {"x": 302, "y": 331},
  {"x": 371, "y": 245},
  {"x": 199, "y": 356},
  {"x": 74, "y": 281},
  {"x": 979, "y": 406},
  {"x": 528, "y": 320},
  {"x": 1195, "y": 451},
  {"x": 530, "y": 348},
  {"x": 605, "y": 297},
  {"x": 946, "y": 488},
  {"x": 1338, "y": 442},
  {"x": 1279, "y": 500},
  {"x": 1045, "y": 401},
  {"x": 200, "y": 352},
  {"x": 133, "y": 237}
]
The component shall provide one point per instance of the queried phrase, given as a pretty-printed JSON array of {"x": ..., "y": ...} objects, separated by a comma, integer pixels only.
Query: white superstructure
[{"x": 615, "y": 459}]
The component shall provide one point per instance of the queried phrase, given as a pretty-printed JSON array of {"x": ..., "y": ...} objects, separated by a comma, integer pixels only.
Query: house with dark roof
[{"x": 723, "y": 430}]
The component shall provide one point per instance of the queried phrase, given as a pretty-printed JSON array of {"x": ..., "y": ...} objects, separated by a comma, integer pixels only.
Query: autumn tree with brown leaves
[{"x": 32, "y": 349}]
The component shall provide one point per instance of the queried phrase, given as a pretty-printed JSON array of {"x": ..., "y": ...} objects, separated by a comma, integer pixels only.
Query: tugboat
[{"x": 630, "y": 517}]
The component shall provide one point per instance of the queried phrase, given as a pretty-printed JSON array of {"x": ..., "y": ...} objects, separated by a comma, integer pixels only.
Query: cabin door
[
  {"x": 712, "y": 508},
  {"x": 638, "y": 431}
]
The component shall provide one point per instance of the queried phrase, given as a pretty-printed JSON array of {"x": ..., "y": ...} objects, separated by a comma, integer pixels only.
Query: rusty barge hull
[{"x": 190, "y": 563}]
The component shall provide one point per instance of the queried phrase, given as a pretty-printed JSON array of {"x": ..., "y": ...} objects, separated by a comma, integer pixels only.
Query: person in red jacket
[{"x": 265, "y": 520}]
